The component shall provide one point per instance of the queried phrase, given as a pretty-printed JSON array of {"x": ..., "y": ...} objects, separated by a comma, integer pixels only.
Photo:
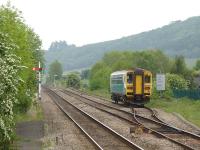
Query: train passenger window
[
  {"x": 130, "y": 78},
  {"x": 147, "y": 79}
]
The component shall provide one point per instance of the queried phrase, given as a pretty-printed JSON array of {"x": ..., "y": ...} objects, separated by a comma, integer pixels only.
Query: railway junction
[{"x": 77, "y": 120}]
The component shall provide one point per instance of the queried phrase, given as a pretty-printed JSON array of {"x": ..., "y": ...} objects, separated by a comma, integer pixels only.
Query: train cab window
[
  {"x": 117, "y": 80},
  {"x": 130, "y": 78},
  {"x": 147, "y": 79}
]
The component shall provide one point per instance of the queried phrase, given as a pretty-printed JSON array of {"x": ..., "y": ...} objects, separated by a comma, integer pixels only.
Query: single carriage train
[{"x": 131, "y": 86}]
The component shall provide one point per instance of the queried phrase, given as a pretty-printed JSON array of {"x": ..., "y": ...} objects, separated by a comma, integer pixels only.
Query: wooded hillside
[{"x": 177, "y": 38}]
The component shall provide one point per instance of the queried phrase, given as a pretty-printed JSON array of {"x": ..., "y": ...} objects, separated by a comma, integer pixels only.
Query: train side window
[
  {"x": 130, "y": 78},
  {"x": 147, "y": 79}
]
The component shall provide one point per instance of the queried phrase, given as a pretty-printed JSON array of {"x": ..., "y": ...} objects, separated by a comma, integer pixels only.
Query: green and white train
[{"x": 131, "y": 86}]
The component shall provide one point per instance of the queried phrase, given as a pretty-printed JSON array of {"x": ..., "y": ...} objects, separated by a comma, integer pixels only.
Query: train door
[
  {"x": 129, "y": 85},
  {"x": 138, "y": 85}
]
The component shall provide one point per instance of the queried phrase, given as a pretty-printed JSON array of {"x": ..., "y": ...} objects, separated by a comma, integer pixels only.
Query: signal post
[{"x": 38, "y": 69}]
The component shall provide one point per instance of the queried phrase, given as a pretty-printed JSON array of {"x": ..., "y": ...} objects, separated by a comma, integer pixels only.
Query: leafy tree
[
  {"x": 85, "y": 74},
  {"x": 55, "y": 46},
  {"x": 154, "y": 61},
  {"x": 177, "y": 82},
  {"x": 73, "y": 80},
  {"x": 27, "y": 48},
  {"x": 55, "y": 71},
  {"x": 197, "y": 66},
  {"x": 179, "y": 66},
  {"x": 100, "y": 76}
]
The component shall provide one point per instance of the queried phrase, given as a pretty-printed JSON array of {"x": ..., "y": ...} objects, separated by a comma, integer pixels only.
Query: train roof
[{"x": 122, "y": 72}]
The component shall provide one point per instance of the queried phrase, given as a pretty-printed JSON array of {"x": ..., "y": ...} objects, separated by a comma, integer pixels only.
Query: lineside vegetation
[{"x": 19, "y": 51}]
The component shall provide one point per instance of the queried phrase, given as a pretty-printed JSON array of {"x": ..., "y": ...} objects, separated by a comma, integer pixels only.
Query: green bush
[
  {"x": 176, "y": 81},
  {"x": 100, "y": 76},
  {"x": 73, "y": 80}
]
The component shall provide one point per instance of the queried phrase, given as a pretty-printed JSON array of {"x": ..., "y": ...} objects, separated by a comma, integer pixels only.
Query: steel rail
[
  {"x": 86, "y": 93},
  {"x": 114, "y": 133},
  {"x": 76, "y": 123},
  {"x": 153, "y": 114}
]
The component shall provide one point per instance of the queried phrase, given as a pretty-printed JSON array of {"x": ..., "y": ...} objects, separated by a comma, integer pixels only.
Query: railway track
[
  {"x": 143, "y": 111},
  {"x": 183, "y": 138},
  {"x": 98, "y": 133},
  {"x": 187, "y": 140}
]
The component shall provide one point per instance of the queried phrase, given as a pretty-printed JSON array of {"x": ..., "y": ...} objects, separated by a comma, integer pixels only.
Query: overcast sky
[{"x": 82, "y": 22}]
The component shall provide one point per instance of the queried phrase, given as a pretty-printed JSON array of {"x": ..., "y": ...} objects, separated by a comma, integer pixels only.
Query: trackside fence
[{"x": 190, "y": 93}]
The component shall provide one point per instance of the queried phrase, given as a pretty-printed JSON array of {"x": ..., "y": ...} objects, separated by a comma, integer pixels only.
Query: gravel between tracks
[
  {"x": 60, "y": 132},
  {"x": 145, "y": 140}
]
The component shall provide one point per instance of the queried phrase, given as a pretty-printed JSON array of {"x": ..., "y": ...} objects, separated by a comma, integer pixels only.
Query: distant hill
[{"x": 177, "y": 38}]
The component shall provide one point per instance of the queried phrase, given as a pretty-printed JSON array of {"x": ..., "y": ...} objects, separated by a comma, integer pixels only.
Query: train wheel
[
  {"x": 113, "y": 98},
  {"x": 125, "y": 101},
  {"x": 116, "y": 99}
]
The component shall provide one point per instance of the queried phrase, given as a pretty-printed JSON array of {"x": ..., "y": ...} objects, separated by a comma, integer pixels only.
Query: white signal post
[{"x": 39, "y": 88}]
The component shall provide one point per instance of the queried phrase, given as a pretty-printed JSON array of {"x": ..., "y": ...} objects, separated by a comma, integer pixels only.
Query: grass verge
[{"x": 187, "y": 108}]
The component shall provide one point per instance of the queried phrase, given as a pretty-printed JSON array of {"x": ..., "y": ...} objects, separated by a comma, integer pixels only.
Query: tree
[
  {"x": 55, "y": 71},
  {"x": 177, "y": 82},
  {"x": 179, "y": 66},
  {"x": 197, "y": 66},
  {"x": 85, "y": 74},
  {"x": 73, "y": 80},
  {"x": 153, "y": 60},
  {"x": 55, "y": 46},
  {"x": 28, "y": 47}
]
